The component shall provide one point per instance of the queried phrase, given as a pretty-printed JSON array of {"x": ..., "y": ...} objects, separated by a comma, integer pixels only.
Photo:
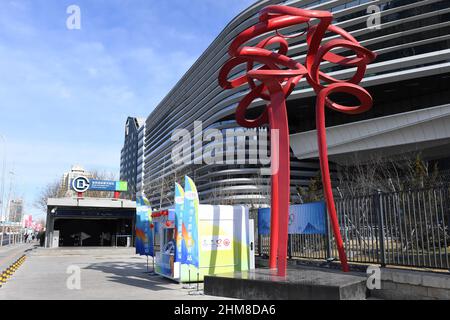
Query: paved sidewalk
[{"x": 111, "y": 273}]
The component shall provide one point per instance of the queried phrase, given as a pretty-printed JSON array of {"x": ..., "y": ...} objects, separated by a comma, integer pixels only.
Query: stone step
[{"x": 299, "y": 284}]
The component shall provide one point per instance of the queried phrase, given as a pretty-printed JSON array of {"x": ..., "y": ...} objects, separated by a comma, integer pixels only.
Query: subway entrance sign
[{"x": 82, "y": 184}]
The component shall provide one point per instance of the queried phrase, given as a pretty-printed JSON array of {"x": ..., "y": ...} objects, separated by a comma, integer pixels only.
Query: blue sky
[{"x": 65, "y": 94}]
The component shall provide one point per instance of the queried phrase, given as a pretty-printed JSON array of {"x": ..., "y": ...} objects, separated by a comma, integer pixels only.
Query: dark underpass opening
[{"x": 94, "y": 232}]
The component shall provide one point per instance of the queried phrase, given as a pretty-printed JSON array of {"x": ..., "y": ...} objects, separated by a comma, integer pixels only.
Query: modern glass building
[
  {"x": 409, "y": 82},
  {"x": 129, "y": 155},
  {"x": 140, "y": 159}
]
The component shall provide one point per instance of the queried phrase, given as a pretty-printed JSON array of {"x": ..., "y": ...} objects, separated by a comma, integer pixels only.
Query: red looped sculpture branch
[{"x": 273, "y": 80}]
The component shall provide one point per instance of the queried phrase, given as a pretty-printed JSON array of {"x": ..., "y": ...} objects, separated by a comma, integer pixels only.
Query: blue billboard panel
[
  {"x": 309, "y": 218},
  {"x": 264, "y": 221},
  {"x": 102, "y": 185}
]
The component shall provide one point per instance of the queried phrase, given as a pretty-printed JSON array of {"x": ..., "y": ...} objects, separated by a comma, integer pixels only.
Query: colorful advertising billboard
[
  {"x": 179, "y": 210},
  {"x": 190, "y": 221},
  {"x": 223, "y": 233},
  {"x": 144, "y": 233},
  {"x": 208, "y": 239}
]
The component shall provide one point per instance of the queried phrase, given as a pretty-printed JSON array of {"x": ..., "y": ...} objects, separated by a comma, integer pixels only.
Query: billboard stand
[
  {"x": 145, "y": 235},
  {"x": 152, "y": 273},
  {"x": 198, "y": 292},
  {"x": 189, "y": 285}
]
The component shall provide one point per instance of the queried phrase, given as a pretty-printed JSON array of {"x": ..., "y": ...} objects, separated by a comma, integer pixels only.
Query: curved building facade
[{"x": 411, "y": 74}]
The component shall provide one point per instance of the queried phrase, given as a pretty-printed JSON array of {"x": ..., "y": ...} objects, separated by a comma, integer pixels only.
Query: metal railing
[{"x": 408, "y": 228}]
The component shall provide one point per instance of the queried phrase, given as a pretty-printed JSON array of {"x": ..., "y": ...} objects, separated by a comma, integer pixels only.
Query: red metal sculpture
[{"x": 273, "y": 80}]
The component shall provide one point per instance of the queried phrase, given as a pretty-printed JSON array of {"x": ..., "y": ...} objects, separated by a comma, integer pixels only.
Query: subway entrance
[
  {"x": 90, "y": 222},
  {"x": 94, "y": 232}
]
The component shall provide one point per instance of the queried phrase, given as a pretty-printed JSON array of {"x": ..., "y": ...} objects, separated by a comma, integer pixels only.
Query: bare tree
[
  {"x": 52, "y": 190},
  {"x": 313, "y": 192},
  {"x": 160, "y": 191},
  {"x": 41, "y": 221},
  {"x": 263, "y": 190},
  {"x": 401, "y": 178},
  {"x": 214, "y": 196},
  {"x": 404, "y": 172}
]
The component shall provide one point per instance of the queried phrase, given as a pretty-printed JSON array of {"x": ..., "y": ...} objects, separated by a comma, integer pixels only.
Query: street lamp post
[
  {"x": 2, "y": 190},
  {"x": 8, "y": 203}
]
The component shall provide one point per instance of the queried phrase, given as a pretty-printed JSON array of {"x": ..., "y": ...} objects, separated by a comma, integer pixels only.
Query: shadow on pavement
[{"x": 132, "y": 274}]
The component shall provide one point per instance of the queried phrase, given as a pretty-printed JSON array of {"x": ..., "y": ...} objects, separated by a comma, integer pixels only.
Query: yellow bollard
[{"x": 7, "y": 274}]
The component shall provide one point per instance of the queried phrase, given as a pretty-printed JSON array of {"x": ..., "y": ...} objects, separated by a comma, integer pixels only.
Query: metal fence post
[
  {"x": 289, "y": 246},
  {"x": 328, "y": 237},
  {"x": 381, "y": 228},
  {"x": 260, "y": 245}
]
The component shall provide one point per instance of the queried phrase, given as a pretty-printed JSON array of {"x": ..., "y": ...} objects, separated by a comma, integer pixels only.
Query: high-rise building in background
[
  {"x": 408, "y": 81},
  {"x": 129, "y": 155},
  {"x": 15, "y": 210},
  {"x": 140, "y": 160}
]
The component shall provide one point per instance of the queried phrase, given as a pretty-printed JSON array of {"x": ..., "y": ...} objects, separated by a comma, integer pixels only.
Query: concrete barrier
[{"x": 398, "y": 284}]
